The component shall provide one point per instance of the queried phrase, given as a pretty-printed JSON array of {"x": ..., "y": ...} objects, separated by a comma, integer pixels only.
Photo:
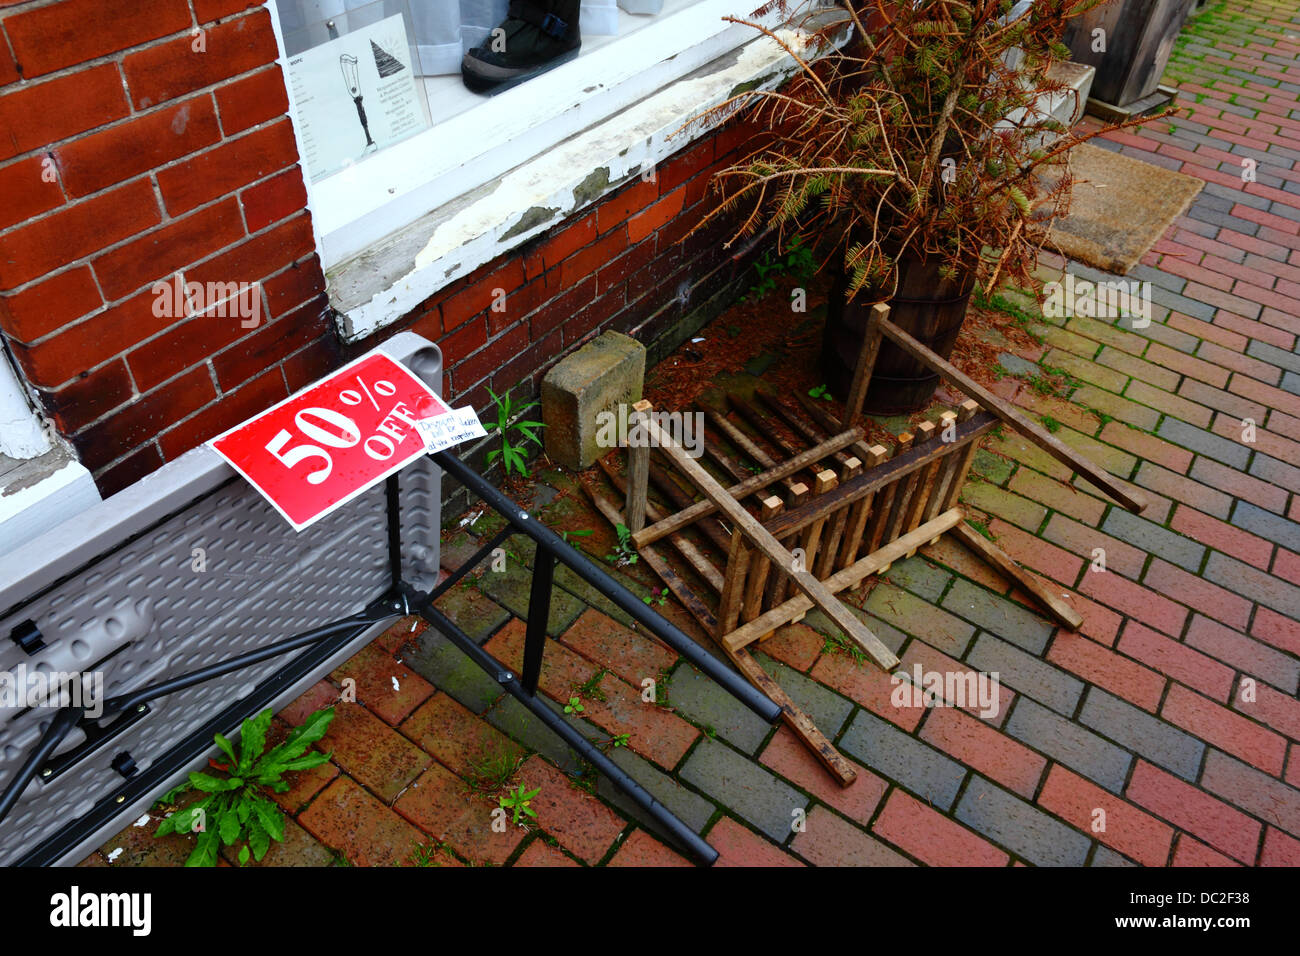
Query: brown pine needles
[{"x": 911, "y": 130}]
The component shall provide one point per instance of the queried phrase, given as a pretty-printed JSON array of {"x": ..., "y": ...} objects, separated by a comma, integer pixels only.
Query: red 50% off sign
[{"x": 320, "y": 448}]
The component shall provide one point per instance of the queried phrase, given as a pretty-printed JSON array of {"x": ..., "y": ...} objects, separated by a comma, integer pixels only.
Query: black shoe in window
[{"x": 535, "y": 36}]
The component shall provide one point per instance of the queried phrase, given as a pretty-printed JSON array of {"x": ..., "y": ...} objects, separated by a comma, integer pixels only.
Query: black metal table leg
[
  {"x": 676, "y": 830},
  {"x": 539, "y": 613}
]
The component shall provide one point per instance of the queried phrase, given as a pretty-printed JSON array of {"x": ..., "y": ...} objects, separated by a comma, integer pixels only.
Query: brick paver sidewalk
[{"x": 1174, "y": 711}]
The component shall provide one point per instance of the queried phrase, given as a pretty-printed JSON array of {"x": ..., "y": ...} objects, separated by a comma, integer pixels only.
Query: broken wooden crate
[{"x": 858, "y": 512}]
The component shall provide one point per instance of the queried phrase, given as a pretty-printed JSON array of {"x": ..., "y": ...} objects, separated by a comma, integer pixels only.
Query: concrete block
[{"x": 603, "y": 375}]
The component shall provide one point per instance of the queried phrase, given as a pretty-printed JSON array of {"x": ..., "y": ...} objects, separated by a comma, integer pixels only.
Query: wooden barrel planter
[{"x": 927, "y": 307}]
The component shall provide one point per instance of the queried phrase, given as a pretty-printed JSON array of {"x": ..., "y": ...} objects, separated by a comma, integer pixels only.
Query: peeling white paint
[
  {"x": 647, "y": 126},
  {"x": 631, "y": 141}
]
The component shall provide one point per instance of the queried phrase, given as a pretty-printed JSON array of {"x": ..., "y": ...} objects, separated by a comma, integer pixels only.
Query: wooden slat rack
[{"x": 822, "y": 519}]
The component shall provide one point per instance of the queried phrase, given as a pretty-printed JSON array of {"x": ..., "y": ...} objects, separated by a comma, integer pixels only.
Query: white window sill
[
  {"x": 448, "y": 97},
  {"x": 358, "y": 206},
  {"x": 386, "y": 280},
  {"x": 39, "y": 493}
]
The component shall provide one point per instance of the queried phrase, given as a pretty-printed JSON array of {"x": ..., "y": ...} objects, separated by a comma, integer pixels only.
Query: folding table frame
[{"x": 178, "y": 592}]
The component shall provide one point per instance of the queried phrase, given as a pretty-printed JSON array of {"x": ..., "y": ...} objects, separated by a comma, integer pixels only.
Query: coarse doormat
[{"x": 1121, "y": 207}]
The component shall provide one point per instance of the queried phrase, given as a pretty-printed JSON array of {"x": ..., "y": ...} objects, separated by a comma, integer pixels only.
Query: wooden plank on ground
[
  {"x": 1130, "y": 498},
  {"x": 990, "y": 552},
  {"x": 793, "y": 716},
  {"x": 694, "y": 557},
  {"x": 638, "y": 473}
]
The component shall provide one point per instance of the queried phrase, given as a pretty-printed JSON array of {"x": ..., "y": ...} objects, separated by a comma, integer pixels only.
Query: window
[
  {"x": 441, "y": 201},
  {"x": 21, "y": 436},
  {"x": 41, "y": 482}
]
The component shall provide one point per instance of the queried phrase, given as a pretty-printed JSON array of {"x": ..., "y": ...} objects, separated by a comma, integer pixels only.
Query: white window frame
[
  {"x": 21, "y": 433},
  {"x": 62, "y": 488},
  {"x": 616, "y": 107},
  {"x": 362, "y": 204}
]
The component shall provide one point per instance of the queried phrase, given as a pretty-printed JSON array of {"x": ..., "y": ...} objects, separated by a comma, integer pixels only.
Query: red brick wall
[
  {"x": 134, "y": 151},
  {"x": 139, "y": 139}
]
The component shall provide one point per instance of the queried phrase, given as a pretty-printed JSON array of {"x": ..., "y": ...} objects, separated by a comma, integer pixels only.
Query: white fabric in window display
[
  {"x": 308, "y": 23},
  {"x": 442, "y": 30},
  {"x": 599, "y": 18},
  {"x": 642, "y": 6}
]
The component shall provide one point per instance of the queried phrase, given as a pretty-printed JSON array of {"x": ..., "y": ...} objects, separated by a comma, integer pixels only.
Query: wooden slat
[
  {"x": 681, "y": 590},
  {"x": 887, "y": 500},
  {"x": 725, "y": 461},
  {"x": 733, "y": 588},
  {"x": 859, "y": 513},
  {"x": 781, "y": 558},
  {"x": 965, "y": 459},
  {"x": 797, "y": 424},
  {"x": 826, "y": 559},
  {"x": 732, "y": 467},
  {"x": 800, "y": 724},
  {"x": 922, "y": 488},
  {"x": 638, "y": 471},
  {"x": 760, "y": 424},
  {"x": 877, "y": 479},
  {"x": 866, "y": 363},
  {"x": 710, "y": 527},
  {"x": 829, "y": 423},
  {"x": 951, "y": 465},
  {"x": 841, "y": 580},
  {"x": 778, "y": 585},
  {"x": 934, "y": 497},
  {"x": 986, "y": 549},
  {"x": 705, "y": 568},
  {"x": 686, "y": 516},
  {"x": 811, "y": 541},
  {"x": 1130, "y": 498},
  {"x": 759, "y": 568},
  {"x": 911, "y": 486},
  {"x": 713, "y": 450},
  {"x": 796, "y": 491}
]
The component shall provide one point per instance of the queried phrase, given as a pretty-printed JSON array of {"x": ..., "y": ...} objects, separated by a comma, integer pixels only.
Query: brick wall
[
  {"x": 147, "y": 139},
  {"x": 139, "y": 140}
]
